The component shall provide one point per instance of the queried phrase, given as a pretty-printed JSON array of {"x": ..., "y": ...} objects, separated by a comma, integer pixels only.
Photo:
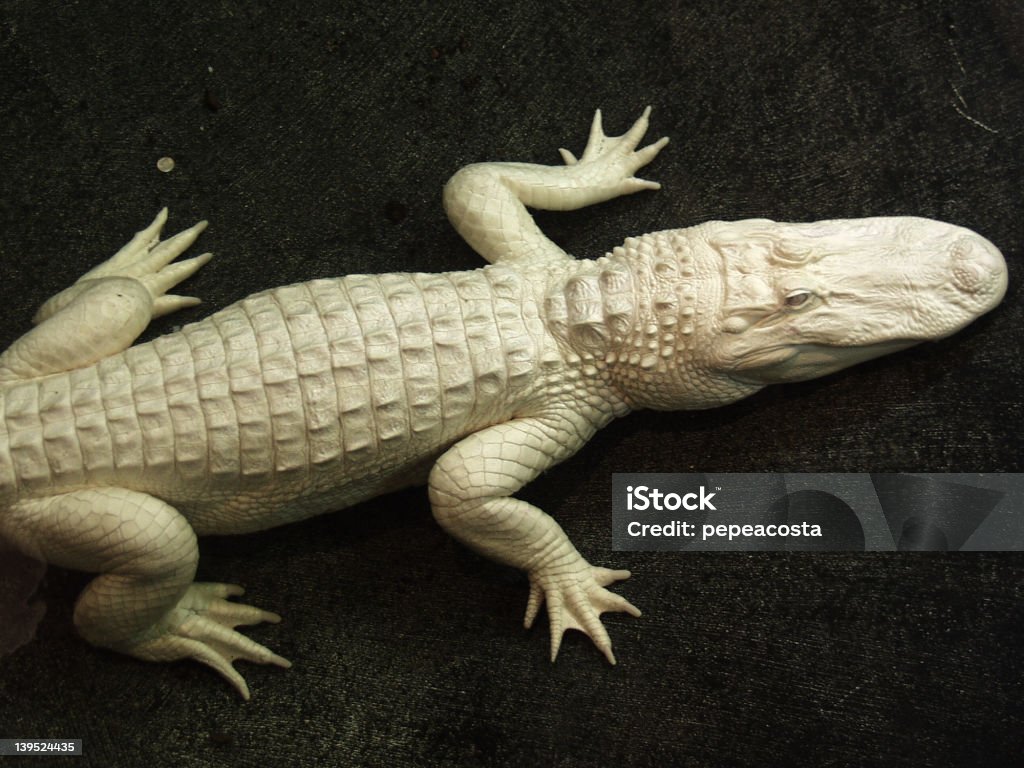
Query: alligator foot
[
  {"x": 575, "y": 600},
  {"x": 609, "y": 162},
  {"x": 201, "y": 627},
  {"x": 108, "y": 307},
  {"x": 148, "y": 260}
]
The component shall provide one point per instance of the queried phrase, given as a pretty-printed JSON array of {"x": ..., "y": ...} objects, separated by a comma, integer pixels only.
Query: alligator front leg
[
  {"x": 145, "y": 603},
  {"x": 108, "y": 307},
  {"x": 486, "y": 202},
  {"x": 470, "y": 492}
]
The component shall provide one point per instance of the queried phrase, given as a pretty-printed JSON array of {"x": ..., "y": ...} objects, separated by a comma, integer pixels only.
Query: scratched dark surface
[{"x": 316, "y": 137}]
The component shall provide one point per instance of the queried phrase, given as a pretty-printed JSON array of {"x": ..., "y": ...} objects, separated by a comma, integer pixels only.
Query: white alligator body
[{"x": 312, "y": 397}]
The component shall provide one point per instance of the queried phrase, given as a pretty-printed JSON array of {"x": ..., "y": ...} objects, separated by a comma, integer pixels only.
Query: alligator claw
[
  {"x": 147, "y": 259},
  {"x": 609, "y": 162},
  {"x": 576, "y": 600},
  {"x": 202, "y": 627}
]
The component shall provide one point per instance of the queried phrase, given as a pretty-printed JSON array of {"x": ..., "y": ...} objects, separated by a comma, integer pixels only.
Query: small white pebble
[{"x": 165, "y": 164}]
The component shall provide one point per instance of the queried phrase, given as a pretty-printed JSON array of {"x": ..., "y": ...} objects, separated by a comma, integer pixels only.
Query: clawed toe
[
  {"x": 202, "y": 627},
  {"x": 608, "y": 163},
  {"x": 145, "y": 259},
  {"x": 576, "y": 601},
  {"x": 148, "y": 260},
  {"x": 599, "y": 144}
]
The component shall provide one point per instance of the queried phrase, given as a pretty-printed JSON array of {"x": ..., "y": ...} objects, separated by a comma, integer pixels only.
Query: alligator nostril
[
  {"x": 978, "y": 267},
  {"x": 968, "y": 278}
]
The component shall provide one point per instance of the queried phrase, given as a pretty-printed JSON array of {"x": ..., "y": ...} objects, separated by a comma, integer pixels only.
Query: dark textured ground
[{"x": 316, "y": 137}]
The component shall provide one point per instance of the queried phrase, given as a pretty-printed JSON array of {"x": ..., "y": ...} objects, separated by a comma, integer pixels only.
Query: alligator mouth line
[
  {"x": 747, "y": 366},
  {"x": 761, "y": 358}
]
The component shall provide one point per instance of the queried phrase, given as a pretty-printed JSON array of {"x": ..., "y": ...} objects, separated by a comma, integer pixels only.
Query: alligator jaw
[{"x": 801, "y": 363}]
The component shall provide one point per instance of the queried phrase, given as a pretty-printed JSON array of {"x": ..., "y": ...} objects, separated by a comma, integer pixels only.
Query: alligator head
[{"x": 755, "y": 302}]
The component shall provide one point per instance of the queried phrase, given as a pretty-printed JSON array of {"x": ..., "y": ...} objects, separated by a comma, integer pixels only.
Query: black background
[{"x": 316, "y": 137}]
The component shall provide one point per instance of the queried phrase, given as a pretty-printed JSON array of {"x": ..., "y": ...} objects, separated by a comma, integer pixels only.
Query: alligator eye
[{"x": 798, "y": 298}]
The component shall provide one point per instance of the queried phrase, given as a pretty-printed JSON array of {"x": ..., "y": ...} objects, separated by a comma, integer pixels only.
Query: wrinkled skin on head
[
  {"x": 763, "y": 302},
  {"x": 805, "y": 300}
]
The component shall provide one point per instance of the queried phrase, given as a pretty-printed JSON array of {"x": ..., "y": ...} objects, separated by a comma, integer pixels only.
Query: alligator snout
[{"x": 979, "y": 270}]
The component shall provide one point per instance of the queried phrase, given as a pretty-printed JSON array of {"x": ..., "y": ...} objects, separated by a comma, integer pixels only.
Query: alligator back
[{"x": 294, "y": 400}]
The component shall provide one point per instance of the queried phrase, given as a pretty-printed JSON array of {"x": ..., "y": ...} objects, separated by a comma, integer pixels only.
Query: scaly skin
[{"x": 313, "y": 397}]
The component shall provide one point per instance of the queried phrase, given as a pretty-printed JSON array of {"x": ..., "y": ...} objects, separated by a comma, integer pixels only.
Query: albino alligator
[{"x": 313, "y": 397}]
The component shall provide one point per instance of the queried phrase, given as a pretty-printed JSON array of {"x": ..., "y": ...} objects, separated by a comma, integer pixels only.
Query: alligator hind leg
[
  {"x": 471, "y": 489},
  {"x": 108, "y": 307},
  {"x": 144, "y": 603},
  {"x": 486, "y": 202}
]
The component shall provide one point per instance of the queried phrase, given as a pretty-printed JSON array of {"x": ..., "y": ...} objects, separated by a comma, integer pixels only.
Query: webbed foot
[
  {"x": 609, "y": 162},
  {"x": 108, "y": 307},
  {"x": 202, "y": 627},
  {"x": 575, "y": 600},
  {"x": 146, "y": 259}
]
